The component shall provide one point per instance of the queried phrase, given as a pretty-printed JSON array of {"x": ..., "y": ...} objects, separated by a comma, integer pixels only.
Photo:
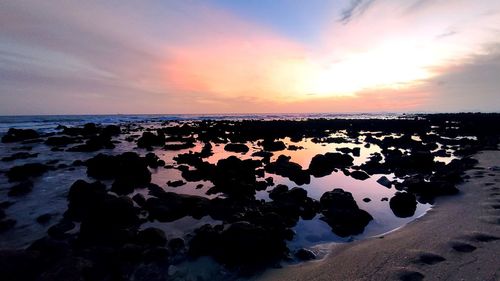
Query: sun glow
[{"x": 392, "y": 66}]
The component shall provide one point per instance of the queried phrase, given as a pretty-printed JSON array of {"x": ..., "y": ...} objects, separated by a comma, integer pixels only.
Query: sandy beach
[{"x": 457, "y": 240}]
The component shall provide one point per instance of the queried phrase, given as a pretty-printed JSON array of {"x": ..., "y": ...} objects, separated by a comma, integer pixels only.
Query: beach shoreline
[{"x": 456, "y": 240}]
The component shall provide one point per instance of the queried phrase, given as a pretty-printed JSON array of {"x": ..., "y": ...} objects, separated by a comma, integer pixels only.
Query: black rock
[
  {"x": 6, "y": 224},
  {"x": 43, "y": 219},
  {"x": 323, "y": 165},
  {"x": 19, "y": 265},
  {"x": 139, "y": 199},
  {"x": 305, "y": 254},
  {"x": 236, "y": 147},
  {"x": 58, "y": 230},
  {"x": 21, "y": 188},
  {"x": 152, "y": 236},
  {"x": 154, "y": 161},
  {"x": 278, "y": 191},
  {"x": 94, "y": 143},
  {"x": 26, "y": 171},
  {"x": 234, "y": 177},
  {"x": 176, "y": 244},
  {"x": 169, "y": 206},
  {"x": 149, "y": 139},
  {"x": 342, "y": 213},
  {"x": 270, "y": 145},
  {"x": 403, "y": 204},
  {"x": 128, "y": 168},
  {"x": 291, "y": 170},
  {"x": 384, "y": 181},
  {"x": 110, "y": 222},
  {"x": 359, "y": 175},
  {"x": 15, "y": 135},
  {"x": 83, "y": 197},
  {"x": 176, "y": 183}
]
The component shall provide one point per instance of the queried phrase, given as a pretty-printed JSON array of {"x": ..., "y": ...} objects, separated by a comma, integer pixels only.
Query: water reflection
[{"x": 49, "y": 194}]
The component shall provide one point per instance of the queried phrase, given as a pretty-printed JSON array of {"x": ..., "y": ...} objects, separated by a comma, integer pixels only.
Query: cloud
[
  {"x": 355, "y": 8},
  {"x": 188, "y": 56}
]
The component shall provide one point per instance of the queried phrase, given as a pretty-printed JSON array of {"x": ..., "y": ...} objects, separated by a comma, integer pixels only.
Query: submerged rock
[
  {"x": 21, "y": 188},
  {"x": 26, "y": 171}
]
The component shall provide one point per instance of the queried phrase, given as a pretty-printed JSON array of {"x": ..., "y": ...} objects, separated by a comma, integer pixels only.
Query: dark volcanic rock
[
  {"x": 342, "y": 213},
  {"x": 236, "y": 147},
  {"x": 16, "y": 135},
  {"x": 384, "y": 181},
  {"x": 128, "y": 169},
  {"x": 26, "y": 171},
  {"x": 58, "y": 230},
  {"x": 178, "y": 146},
  {"x": 149, "y": 139},
  {"x": 21, "y": 188},
  {"x": 278, "y": 191},
  {"x": 359, "y": 175},
  {"x": 154, "y": 161},
  {"x": 266, "y": 155},
  {"x": 94, "y": 143},
  {"x": 88, "y": 129},
  {"x": 323, "y": 165},
  {"x": 19, "y": 265},
  {"x": 241, "y": 244},
  {"x": 139, "y": 199},
  {"x": 152, "y": 236},
  {"x": 291, "y": 170},
  {"x": 112, "y": 221},
  {"x": 176, "y": 183},
  {"x": 43, "y": 219},
  {"x": 169, "y": 206},
  {"x": 235, "y": 177},
  {"x": 82, "y": 198},
  {"x": 427, "y": 190},
  {"x": 305, "y": 255},
  {"x": 271, "y": 145},
  {"x": 6, "y": 224},
  {"x": 293, "y": 203},
  {"x": 403, "y": 204}
]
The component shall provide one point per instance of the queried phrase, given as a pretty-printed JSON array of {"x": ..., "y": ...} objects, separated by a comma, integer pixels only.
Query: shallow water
[{"x": 50, "y": 191}]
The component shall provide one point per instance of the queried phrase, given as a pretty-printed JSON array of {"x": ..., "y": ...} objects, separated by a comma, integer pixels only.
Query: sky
[{"x": 261, "y": 56}]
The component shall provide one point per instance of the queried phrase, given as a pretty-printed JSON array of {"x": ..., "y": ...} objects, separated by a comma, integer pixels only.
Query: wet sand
[{"x": 459, "y": 239}]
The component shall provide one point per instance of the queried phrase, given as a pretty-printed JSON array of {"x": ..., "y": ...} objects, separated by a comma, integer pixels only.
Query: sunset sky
[{"x": 229, "y": 56}]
